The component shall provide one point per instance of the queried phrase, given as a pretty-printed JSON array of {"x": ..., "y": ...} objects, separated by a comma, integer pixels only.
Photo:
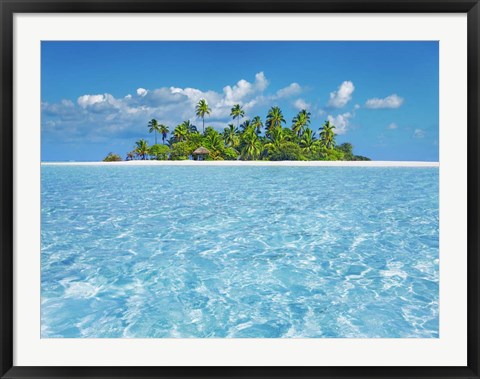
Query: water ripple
[{"x": 263, "y": 252}]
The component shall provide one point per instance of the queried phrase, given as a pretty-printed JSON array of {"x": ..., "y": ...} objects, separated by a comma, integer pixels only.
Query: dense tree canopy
[{"x": 251, "y": 140}]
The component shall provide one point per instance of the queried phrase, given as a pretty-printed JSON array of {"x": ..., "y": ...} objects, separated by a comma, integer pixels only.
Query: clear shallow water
[{"x": 142, "y": 252}]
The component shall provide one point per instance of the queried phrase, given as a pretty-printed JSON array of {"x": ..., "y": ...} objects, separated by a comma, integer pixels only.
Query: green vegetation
[
  {"x": 181, "y": 151},
  {"x": 164, "y": 131},
  {"x": 142, "y": 150},
  {"x": 237, "y": 112},
  {"x": 111, "y": 157},
  {"x": 159, "y": 152},
  {"x": 154, "y": 127},
  {"x": 250, "y": 140},
  {"x": 202, "y": 110}
]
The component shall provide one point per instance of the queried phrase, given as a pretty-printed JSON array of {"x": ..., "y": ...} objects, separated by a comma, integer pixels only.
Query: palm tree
[
  {"x": 327, "y": 135},
  {"x": 190, "y": 127},
  {"x": 130, "y": 156},
  {"x": 289, "y": 135},
  {"x": 210, "y": 130},
  {"x": 257, "y": 124},
  {"x": 141, "y": 149},
  {"x": 276, "y": 138},
  {"x": 215, "y": 142},
  {"x": 300, "y": 121},
  {"x": 201, "y": 110},
  {"x": 154, "y": 127},
  {"x": 230, "y": 136},
  {"x": 308, "y": 141},
  {"x": 180, "y": 133},
  {"x": 164, "y": 130},
  {"x": 274, "y": 119},
  {"x": 251, "y": 145},
  {"x": 237, "y": 112},
  {"x": 246, "y": 125}
]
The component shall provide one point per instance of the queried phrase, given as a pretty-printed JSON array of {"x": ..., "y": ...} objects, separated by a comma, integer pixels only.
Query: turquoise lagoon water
[{"x": 161, "y": 252}]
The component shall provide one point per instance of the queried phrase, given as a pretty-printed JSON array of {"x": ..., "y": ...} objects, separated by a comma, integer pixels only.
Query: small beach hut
[{"x": 200, "y": 153}]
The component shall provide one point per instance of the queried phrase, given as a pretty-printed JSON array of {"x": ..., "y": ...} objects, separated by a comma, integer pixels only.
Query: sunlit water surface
[{"x": 260, "y": 252}]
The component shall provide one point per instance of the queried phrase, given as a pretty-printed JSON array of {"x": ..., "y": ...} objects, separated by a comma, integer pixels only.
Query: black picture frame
[{"x": 9, "y": 8}]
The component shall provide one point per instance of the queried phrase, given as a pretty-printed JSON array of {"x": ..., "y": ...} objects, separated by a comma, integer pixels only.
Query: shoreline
[{"x": 253, "y": 163}]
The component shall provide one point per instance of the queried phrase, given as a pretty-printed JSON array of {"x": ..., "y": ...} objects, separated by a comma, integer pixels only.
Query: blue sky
[{"x": 97, "y": 97}]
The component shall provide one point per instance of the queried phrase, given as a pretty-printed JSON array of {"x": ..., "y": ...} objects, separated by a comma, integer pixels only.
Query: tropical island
[{"x": 251, "y": 140}]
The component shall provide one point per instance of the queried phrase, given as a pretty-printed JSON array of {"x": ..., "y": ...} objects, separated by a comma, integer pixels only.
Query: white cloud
[
  {"x": 173, "y": 94},
  {"x": 88, "y": 100},
  {"x": 340, "y": 121},
  {"x": 141, "y": 91},
  {"x": 392, "y": 101},
  {"x": 239, "y": 91},
  {"x": 357, "y": 106},
  {"x": 97, "y": 103},
  {"x": 96, "y": 117},
  {"x": 342, "y": 96},
  {"x": 67, "y": 103},
  {"x": 261, "y": 81},
  {"x": 244, "y": 89},
  {"x": 392, "y": 126},
  {"x": 419, "y": 133},
  {"x": 253, "y": 103},
  {"x": 301, "y": 104},
  {"x": 65, "y": 109},
  {"x": 291, "y": 90}
]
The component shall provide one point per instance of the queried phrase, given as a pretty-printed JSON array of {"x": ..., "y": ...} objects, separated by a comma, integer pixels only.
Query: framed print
[{"x": 239, "y": 189}]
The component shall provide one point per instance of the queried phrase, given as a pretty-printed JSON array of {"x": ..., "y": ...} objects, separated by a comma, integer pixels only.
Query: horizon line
[{"x": 250, "y": 163}]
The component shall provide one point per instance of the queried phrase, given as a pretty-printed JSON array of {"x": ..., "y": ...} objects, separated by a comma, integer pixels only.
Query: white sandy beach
[{"x": 255, "y": 163}]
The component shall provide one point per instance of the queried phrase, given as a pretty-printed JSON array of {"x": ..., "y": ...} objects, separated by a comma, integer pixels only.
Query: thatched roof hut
[{"x": 200, "y": 153}]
